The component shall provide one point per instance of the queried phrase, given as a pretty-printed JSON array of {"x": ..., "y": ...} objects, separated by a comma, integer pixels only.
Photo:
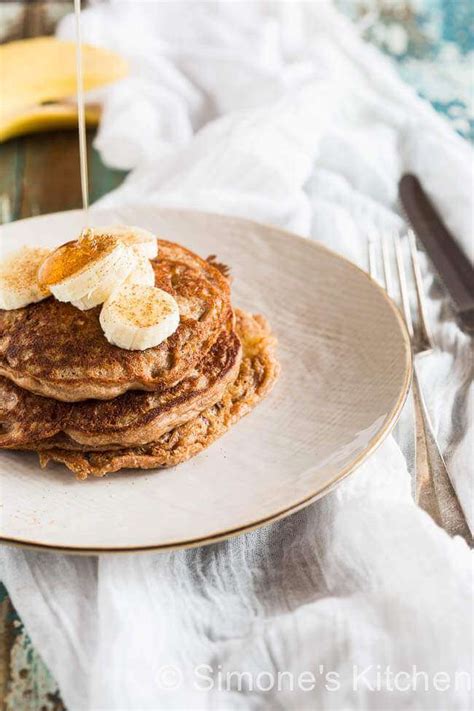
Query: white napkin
[{"x": 275, "y": 111}]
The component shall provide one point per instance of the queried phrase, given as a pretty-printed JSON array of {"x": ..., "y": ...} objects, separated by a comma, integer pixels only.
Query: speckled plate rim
[{"x": 371, "y": 446}]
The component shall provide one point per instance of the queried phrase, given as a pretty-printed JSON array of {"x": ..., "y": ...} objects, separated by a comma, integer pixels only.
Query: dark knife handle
[{"x": 451, "y": 263}]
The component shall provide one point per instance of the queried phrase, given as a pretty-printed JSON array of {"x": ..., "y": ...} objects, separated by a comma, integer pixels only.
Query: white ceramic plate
[{"x": 346, "y": 369}]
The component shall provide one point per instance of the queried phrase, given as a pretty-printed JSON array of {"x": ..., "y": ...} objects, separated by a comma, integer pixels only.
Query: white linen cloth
[{"x": 276, "y": 111}]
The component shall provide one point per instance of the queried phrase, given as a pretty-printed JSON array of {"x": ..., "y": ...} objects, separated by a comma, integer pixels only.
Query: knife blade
[{"x": 450, "y": 262}]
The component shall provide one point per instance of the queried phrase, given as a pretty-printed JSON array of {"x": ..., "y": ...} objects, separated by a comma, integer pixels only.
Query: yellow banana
[{"x": 38, "y": 76}]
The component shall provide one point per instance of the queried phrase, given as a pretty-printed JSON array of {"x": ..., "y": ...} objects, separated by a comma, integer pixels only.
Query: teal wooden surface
[
  {"x": 431, "y": 42},
  {"x": 25, "y": 683}
]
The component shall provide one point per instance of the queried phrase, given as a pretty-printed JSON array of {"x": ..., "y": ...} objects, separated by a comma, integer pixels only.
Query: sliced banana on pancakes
[
  {"x": 85, "y": 272},
  {"x": 106, "y": 265},
  {"x": 138, "y": 317},
  {"x": 142, "y": 273},
  {"x": 19, "y": 285},
  {"x": 123, "y": 269},
  {"x": 142, "y": 241}
]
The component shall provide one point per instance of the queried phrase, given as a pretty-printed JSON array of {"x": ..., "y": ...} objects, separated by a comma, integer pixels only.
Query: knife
[{"x": 452, "y": 265}]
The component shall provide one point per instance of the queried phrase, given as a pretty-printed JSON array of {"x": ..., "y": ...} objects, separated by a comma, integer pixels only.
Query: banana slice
[
  {"x": 143, "y": 272},
  {"x": 141, "y": 240},
  {"x": 87, "y": 271},
  {"x": 139, "y": 317},
  {"x": 19, "y": 284}
]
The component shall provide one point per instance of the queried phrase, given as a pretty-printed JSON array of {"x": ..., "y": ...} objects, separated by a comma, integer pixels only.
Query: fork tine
[
  {"x": 403, "y": 283},
  {"x": 424, "y": 331},
  {"x": 372, "y": 257},
  {"x": 380, "y": 276},
  {"x": 387, "y": 269}
]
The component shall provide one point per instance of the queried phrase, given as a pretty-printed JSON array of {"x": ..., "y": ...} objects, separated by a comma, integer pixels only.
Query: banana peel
[{"x": 38, "y": 83}]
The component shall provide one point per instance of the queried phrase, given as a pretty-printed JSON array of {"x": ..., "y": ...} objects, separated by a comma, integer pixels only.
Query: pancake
[
  {"x": 257, "y": 374},
  {"x": 133, "y": 418},
  {"x": 55, "y": 350}
]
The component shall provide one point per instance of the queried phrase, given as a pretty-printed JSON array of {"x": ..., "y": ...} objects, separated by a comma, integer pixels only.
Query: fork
[{"x": 434, "y": 492}]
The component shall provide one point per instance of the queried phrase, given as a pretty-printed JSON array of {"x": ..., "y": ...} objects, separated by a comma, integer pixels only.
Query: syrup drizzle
[{"x": 81, "y": 113}]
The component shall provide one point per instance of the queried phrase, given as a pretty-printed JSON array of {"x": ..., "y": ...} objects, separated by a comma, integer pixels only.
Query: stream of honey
[{"x": 81, "y": 114}]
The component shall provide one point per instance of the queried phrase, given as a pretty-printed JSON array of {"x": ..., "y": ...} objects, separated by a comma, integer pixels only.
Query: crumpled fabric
[{"x": 278, "y": 112}]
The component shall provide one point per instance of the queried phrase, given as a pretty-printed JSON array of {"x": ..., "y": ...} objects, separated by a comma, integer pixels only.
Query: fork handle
[{"x": 434, "y": 492}]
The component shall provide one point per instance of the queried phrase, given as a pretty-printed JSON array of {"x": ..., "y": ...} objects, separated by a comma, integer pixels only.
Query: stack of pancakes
[{"x": 70, "y": 395}]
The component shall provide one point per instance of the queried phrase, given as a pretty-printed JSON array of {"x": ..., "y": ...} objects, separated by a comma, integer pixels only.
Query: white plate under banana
[
  {"x": 19, "y": 284},
  {"x": 138, "y": 317}
]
